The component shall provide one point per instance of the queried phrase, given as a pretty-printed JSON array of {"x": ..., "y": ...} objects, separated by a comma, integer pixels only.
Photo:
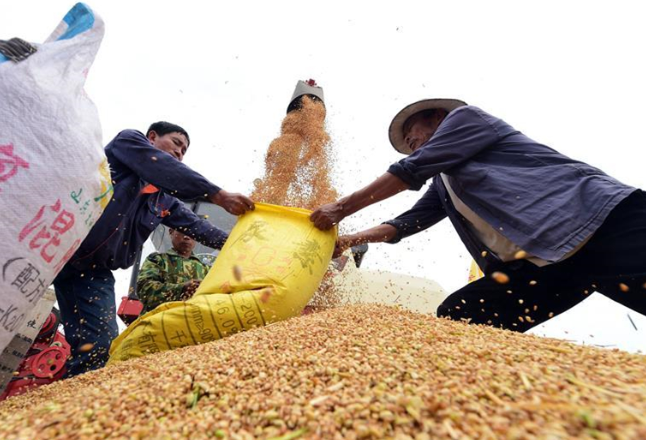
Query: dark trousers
[
  {"x": 86, "y": 302},
  {"x": 612, "y": 263}
]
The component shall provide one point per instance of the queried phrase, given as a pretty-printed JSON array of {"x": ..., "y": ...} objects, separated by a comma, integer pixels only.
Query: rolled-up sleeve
[
  {"x": 464, "y": 133},
  {"x": 425, "y": 213}
]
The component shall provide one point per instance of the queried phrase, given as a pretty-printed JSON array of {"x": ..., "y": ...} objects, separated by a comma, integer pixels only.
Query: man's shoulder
[
  {"x": 125, "y": 137},
  {"x": 471, "y": 115},
  {"x": 130, "y": 133},
  {"x": 468, "y": 111}
]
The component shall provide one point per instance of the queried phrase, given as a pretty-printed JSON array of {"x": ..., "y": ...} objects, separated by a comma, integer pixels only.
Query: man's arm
[
  {"x": 465, "y": 132},
  {"x": 152, "y": 288},
  {"x": 189, "y": 223},
  {"x": 161, "y": 169},
  {"x": 425, "y": 213},
  {"x": 326, "y": 216},
  {"x": 377, "y": 234}
]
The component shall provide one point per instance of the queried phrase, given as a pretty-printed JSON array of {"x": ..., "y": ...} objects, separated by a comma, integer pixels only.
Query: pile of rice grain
[{"x": 360, "y": 372}]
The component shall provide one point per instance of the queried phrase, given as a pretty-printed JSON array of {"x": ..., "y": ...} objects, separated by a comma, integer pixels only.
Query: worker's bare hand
[
  {"x": 233, "y": 203},
  {"x": 189, "y": 289},
  {"x": 327, "y": 216}
]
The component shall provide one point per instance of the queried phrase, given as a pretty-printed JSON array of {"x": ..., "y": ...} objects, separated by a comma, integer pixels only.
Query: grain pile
[
  {"x": 298, "y": 163},
  {"x": 361, "y": 372}
]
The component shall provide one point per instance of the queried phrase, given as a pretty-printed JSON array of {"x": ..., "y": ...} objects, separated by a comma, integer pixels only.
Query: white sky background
[{"x": 567, "y": 74}]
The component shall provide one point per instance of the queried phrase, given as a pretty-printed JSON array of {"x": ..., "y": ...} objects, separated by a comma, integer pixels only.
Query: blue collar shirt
[{"x": 539, "y": 199}]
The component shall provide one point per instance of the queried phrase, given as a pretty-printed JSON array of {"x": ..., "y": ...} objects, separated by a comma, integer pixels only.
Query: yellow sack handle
[{"x": 267, "y": 271}]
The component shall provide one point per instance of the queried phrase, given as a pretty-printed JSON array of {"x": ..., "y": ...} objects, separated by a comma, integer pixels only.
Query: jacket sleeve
[
  {"x": 152, "y": 288},
  {"x": 189, "y": 223},
  {"x": 425, "y": 213},
  {"x": 134, "y": 151},
  {"x": 463, "y": 134}
]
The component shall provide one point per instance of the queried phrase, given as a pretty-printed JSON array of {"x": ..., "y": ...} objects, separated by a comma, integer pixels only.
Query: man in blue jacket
[
  {"x": 546, "y": 230},
  {"x": 148, "y": 178}
]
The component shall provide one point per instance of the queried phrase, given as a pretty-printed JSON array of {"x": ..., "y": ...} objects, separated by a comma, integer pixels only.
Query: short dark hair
[{"x": 163, "y": 127}]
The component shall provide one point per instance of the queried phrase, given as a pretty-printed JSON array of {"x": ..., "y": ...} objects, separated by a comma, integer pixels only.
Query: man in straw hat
[{"x": 546, "y": 230}]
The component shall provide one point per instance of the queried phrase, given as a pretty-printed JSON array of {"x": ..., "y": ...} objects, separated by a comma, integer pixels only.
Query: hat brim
[{"x": 396, "y": 130}]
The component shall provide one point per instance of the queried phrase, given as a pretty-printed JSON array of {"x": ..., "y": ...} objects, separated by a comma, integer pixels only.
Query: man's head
[
  {"x": 417, "y": 122},
  {"x": 170, "y": 138},
  {"x": 421, "y": 126},
  {"x": 183, "y": 244}
]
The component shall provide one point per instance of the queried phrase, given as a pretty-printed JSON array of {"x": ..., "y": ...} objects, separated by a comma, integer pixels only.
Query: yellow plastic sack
[
  {"x": 475, "y": 273},
  {"x": 267, "y": 271}
]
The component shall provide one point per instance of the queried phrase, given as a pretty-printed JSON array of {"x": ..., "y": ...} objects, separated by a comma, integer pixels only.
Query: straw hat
[{"x": 396, "y": 130}]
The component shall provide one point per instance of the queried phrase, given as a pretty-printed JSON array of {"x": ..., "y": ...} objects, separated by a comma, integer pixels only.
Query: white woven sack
[{"x": 54, "y": 178}]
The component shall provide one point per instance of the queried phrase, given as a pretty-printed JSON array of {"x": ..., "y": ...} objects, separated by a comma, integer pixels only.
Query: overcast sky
[{"x": 567, "y": 74}]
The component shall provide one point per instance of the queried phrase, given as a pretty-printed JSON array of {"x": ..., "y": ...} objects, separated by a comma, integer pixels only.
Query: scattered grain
[{"x": 500, "y": 277}]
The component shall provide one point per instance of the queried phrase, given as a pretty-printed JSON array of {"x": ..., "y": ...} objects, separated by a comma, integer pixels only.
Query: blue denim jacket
[
  {"x": 541, "y": 200},
  {"x": 132, "y": 215}
]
